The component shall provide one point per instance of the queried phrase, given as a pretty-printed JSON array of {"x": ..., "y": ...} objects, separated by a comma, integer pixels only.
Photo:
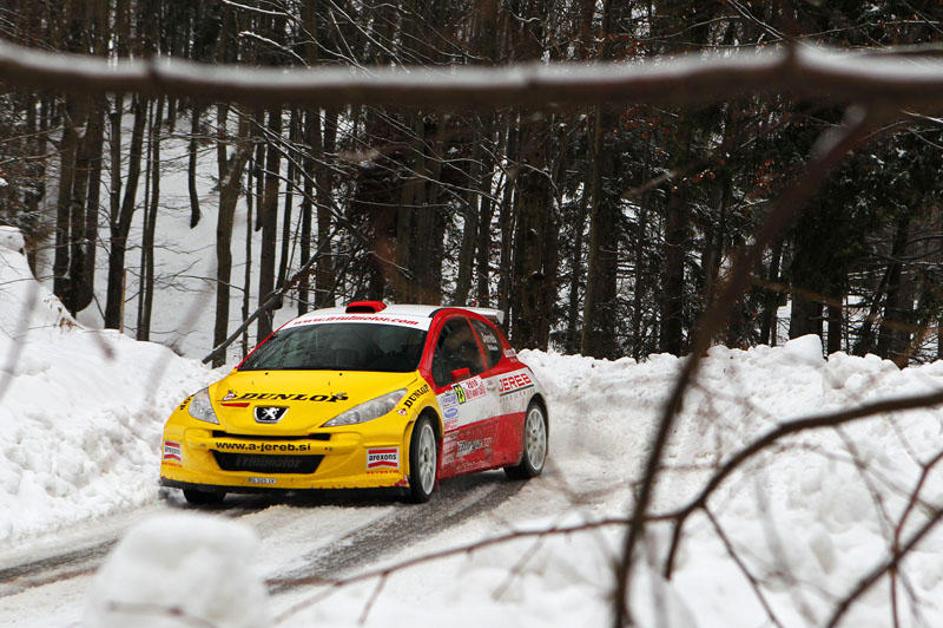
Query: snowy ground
[{"x": 81, "y": 410}]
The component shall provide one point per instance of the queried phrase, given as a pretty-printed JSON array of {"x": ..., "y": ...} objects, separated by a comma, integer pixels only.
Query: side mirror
[{"x": 460, "y": 374}]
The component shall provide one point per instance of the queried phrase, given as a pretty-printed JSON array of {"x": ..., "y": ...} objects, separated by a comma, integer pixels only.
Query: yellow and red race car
[{"x": 364, "y": 396}]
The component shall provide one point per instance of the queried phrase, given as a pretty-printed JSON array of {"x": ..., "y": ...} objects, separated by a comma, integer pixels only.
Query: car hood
[{"x": 310, "y": 398}]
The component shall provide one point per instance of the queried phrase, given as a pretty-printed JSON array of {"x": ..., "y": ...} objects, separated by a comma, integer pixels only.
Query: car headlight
[
  {"x": 201, "y": 409},
  {"x": 369, "y": 410}
]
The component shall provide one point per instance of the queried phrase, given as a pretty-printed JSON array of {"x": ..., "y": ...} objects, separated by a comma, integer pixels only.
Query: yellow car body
[{"x": 363, "y": 455}]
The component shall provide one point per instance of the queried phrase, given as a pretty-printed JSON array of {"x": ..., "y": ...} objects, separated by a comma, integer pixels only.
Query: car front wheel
[{"x": 423, "y": 461}]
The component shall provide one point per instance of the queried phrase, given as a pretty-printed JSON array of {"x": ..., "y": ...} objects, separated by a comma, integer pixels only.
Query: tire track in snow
[
  {"x": 457, "y": 500},
  {"x": 83, "y": 560}
]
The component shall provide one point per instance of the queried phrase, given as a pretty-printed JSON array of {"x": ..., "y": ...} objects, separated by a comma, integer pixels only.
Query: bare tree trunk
[
  {"x": 600, "y": 307},
  {"x": 325, "y": 280},
  {"x": 268, "y": 217},
  {"x": 222, "y": 118},
  {"x": 64, "y": 210},
  {"x": 506, "y": 223},
  {"x": 95, "y": 138},
  {"x": 576, "y": 274},
  {"x": 146, "y": 291},
  {"x": 191, "y": 166},
  {"x": 120, "y": 224},
  {"x": 772, "y": 298},
  {"x": 894, "y": 305},
  {"x": 306, "y": 207},
  {"x": 228, "y": 196},
  {"x": 294, "y": 135},
  {"x": 471, "y": 217}
]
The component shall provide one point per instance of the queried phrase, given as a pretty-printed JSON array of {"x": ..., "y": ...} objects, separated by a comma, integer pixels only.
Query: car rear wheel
[
  {"x": 203, "y": 498},
  {"x": 423, "y": 461},
  {"x": 534, "y": 446}
]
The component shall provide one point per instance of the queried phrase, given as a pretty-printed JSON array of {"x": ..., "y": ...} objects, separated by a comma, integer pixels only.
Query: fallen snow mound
[
  {"x": 180, "y": 569},
  {"x": 80, "y": 410}
]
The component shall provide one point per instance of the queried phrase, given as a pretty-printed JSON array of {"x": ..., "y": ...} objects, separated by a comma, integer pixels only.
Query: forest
[{"x": 605, "y": 230}]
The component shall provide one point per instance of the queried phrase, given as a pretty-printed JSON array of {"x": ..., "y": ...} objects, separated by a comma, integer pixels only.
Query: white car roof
[{"x": 407, "y": 315}]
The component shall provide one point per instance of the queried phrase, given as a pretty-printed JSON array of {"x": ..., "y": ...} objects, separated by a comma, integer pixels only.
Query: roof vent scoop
[{"x": 365, "y": 307}]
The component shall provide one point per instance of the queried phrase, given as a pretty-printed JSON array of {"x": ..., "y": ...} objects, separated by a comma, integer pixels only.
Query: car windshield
[{"x": 340, "y": 347}]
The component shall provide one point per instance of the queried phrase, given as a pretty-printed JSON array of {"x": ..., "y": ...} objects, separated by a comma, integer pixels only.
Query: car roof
[{"x": 408, "y": 315}]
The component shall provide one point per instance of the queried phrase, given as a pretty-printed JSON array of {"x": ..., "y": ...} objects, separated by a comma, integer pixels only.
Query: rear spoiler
[
  {"x": 493, "y": 315},
  {"x": 496, "y": 316}
]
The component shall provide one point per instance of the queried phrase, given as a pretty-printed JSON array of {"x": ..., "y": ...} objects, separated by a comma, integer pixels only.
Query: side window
[
  {"x": 490, "y": 340},
  {"x": 455, "y": 349}
]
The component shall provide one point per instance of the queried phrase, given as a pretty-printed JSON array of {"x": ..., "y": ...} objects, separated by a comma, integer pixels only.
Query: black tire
[
  {"x": 196, "y": 497},
  {"x": 423, "y": 461},
  {"x": 534, "y": 447}
]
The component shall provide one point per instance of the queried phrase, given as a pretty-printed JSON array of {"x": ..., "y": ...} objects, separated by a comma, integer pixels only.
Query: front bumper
[{"x": 202, "y": 458}]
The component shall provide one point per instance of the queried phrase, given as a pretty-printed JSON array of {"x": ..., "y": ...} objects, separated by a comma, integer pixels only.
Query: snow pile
[
  {"x": 80, "y": 410},
  {"x": 803, "y": 518},
  {"x": 180, "y": 569}
]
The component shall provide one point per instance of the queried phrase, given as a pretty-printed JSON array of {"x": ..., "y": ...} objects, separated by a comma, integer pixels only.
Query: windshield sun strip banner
[{"x": 414, "y": 322}]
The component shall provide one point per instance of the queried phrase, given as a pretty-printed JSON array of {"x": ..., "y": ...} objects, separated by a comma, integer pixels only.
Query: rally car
[{"x": 364, "y": 396}]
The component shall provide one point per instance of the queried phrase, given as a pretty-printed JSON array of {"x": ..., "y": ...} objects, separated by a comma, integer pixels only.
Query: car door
[
  {"x": 507, "y": 411},
  {"x": 457, "y": 366}
]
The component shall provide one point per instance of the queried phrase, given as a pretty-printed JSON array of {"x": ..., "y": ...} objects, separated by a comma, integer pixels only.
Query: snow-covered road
[{"x": 44, "y": 581}]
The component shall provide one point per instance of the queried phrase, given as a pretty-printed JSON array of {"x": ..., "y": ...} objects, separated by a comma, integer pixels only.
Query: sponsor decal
[
  {"x": 383, "y": 458},
  {"x": 285, "y": 397},
  {"x": 230, "y": 401},
  {"x": 402, "y": 412},
  {"x": 360, "y": 318},
  {"x": 448, "y": 399},
  {"x": 184, "y": 403},
  {"x": 173, "y": 452},
  {"x": 451, "y": 412},
  {"x": 269, "y": 414},
  {"x": 262, "y": 480},
  {"x": 510, "y": 353},
  {"x": 469, "y": 389},
  {"x": 410, "y": 400},
  {"x": 467, "y": 447},
  {"x": 262, "y": 447},
  {"x": 514, "y": 383},
  {"x": 474, "y": 388}
]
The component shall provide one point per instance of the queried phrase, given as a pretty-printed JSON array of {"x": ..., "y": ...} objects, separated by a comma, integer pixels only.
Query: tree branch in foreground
[
  {"x": 384, "y": 572},
  {"x": 827, "y": 154},
  {"x": 828, "y": 419},
  {"x": 805, "y": 71}
]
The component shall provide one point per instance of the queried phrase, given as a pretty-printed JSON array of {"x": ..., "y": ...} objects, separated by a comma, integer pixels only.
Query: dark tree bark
[
  {"x": 64, "y": 208},
  {"x": 268, "y": 217},
  {"x": 600, "y": 308},
  {"x": 146, "y": 292},
  {"x": 191, "y": 166},
  {"x": 120, "y": 224},
  {"x": 325, "y": 281},
  {"x": 228, "y": 196},
  {"x": 573, "y": 334}
]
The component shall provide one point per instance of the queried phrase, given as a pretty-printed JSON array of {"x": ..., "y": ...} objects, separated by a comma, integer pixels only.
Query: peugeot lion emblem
[{"x": 269, "y": 414}]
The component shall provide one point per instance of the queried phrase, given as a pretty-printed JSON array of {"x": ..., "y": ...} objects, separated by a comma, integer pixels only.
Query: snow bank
[
  {"x": 196, "y": 566},
  {"x": 80, "y": 410},
  {"x": 806, "y": 507}
]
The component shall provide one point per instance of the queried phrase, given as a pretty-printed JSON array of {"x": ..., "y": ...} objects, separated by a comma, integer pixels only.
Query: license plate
[{"x": 261, "y": 480}]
